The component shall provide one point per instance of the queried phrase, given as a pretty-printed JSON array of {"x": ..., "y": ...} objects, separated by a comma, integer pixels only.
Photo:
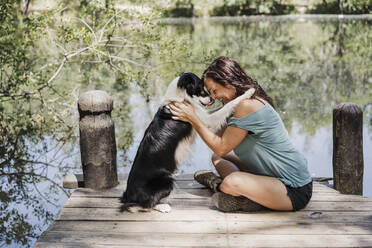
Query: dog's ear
[{"x": 187, "y": 81}]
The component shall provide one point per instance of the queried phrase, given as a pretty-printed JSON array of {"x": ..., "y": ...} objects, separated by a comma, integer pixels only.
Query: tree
[{"x": 46, "y": 58}]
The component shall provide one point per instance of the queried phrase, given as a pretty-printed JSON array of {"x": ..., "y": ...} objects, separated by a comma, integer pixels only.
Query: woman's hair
[{"x": 226, "y": 71}]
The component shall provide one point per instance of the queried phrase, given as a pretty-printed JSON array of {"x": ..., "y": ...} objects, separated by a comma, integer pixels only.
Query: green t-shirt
[{"x": 269, "y": 151}]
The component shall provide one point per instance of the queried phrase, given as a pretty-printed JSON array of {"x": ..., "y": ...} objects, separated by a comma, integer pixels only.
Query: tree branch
[
  {"x": 25, "y": 7},
  {"x": 36, "y": 175},
  {"x": 42, "y": 195},
  {"x": 61, "y": 65}
]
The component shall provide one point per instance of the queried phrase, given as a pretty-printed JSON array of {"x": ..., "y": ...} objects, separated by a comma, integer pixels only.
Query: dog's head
[{"x": 188, "y": 87}]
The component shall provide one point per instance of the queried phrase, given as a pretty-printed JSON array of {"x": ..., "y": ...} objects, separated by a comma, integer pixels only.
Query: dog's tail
[
  {"x": 125, "y": 206},
  {"x": 124, "y": 197}
]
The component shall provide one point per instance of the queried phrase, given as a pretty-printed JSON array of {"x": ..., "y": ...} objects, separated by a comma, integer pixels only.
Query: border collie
[{"x": 167, "y": 142}]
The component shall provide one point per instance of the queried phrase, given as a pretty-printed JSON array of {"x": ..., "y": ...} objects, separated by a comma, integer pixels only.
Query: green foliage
[
  {"x": 235, "y": 9},
  {"x": 181, "y": 8},
  {"x": 321, "y": 8},
  {"x": 358, "y": 6},
  {"x": 349, "y": 7},
  {"x": 17, "y": 35},
  {"x": 251, "y": 7},
  {"x": 188, "y": 8}
]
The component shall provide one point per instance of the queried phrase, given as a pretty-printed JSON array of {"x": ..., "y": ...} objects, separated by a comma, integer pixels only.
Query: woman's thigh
[
  {"x": 267, "y": 191},
  {"x": 230, "y": 162},
  {"x": 236, "y": 160}
]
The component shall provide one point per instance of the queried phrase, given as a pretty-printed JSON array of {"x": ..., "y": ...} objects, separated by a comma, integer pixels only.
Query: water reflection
[
  {"x": 307, "y": 65},
  {"x": 31, "y": 199}
]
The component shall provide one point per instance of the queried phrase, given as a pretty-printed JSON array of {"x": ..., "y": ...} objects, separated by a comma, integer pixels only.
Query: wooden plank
[
  {"x": 209, "y": 240},
  {"x": 110, "y": 214},
  {"x": 145, "y": 239},
  {"x": 193, "y": 183},
  {"x": 205, "y": 203},
  {"x": 115, "y": 203},
  {"x": 206, "y": 193},
  {"x": 191, "y": 194},
  {"x": 186, "y": 186},
  {"x": 317, "y": 196},
  {"x": 346, "y": 240},
  {"x": 116, "y": 193},
  {"x": 339, "y": 206},
  {"x": 299, "y": 228},
  {"x": 77, "y": 244},
  {"x": 182, "y": 180},
  {"x": 191, "y": 177},
  {"x": 339, "y": 198},
  {"x": 187, "y": 177},
  {"x": 303, "y": 217},
  {"x": 217, "y": 227}
]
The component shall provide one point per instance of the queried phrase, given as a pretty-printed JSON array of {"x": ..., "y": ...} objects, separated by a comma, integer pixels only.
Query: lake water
[{"x": 307, "y": 65}]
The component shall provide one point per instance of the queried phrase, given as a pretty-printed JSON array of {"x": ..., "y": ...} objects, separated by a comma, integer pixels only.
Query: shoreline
[{"x": 252, "y": 18}]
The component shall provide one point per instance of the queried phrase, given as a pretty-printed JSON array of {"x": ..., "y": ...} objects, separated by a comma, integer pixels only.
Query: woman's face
[{"x": 223, "y": 93}]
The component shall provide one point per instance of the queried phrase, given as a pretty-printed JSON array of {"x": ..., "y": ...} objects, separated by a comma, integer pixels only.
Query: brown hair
[{"x": 226, "y": 71}]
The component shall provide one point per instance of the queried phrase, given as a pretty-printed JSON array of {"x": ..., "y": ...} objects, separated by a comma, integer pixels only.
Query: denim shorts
[{"x": 300, "y": 196}]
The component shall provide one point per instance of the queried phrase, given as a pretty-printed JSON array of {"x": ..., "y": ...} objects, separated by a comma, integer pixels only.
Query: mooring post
[
  {"x": 97, "y": 140},
  {"x": 348, "y": 148}
]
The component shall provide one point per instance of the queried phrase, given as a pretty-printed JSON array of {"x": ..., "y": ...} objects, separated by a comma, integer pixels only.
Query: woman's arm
[{"x": 221, "y": 145}]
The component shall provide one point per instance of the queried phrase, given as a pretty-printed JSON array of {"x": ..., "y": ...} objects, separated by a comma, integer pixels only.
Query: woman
[{"x": 266, "y": 171}]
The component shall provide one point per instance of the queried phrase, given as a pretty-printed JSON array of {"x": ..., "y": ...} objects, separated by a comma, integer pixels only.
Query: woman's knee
[
  {"x": 232, "y": 184},
  {"x": 215, "y": 159}
]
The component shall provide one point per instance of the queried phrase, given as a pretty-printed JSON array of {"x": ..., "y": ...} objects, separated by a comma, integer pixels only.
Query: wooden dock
[{"x": 91, "y": 219}]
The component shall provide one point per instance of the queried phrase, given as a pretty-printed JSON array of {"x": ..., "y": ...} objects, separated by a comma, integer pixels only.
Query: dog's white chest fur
[{"x": 184, "y": 148}]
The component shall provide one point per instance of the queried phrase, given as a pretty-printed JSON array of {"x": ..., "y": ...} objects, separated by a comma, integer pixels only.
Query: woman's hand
[{"x": 183, "y": 111}]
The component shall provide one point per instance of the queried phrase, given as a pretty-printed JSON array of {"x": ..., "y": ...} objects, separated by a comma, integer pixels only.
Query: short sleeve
[{"x": 249, "y": 122}]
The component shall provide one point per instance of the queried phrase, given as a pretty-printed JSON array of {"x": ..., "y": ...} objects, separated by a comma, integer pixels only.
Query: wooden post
[
  {"x": 97, "y": 140},
  {"x": 348, "y": 148}
]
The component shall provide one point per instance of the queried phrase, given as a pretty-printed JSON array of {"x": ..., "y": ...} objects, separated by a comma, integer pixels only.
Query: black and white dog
[{"x": 167, "y": 142}]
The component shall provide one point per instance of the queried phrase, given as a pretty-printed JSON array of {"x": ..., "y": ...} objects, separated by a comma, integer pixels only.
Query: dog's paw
[
  {"x": 163, "y": 208},
  {"x": 249, "y": 93},
  {"x": 136, "y": 209}
]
